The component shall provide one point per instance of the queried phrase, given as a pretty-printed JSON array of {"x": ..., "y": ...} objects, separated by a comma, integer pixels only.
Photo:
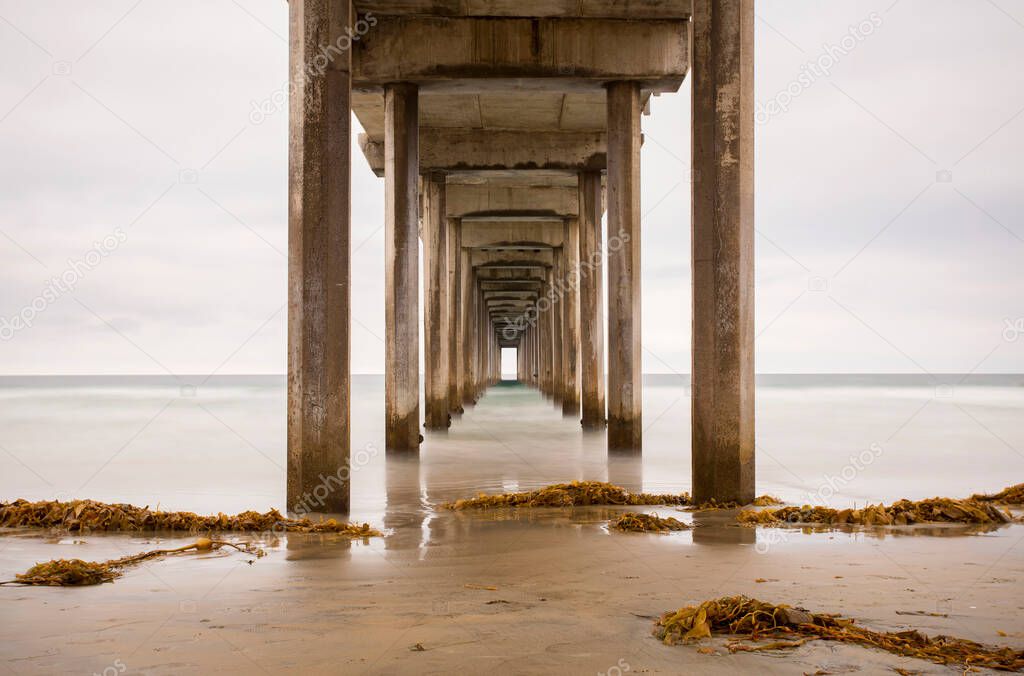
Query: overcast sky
[{"x": 889, "y": 201}]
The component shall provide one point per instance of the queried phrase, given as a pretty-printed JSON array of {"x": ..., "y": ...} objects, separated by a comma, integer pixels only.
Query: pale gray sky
[{"x": 888, "y": 193}]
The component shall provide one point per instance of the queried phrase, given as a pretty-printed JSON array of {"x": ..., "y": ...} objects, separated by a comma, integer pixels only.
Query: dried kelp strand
[
  {"x": 575, "y": 494},
  {"x": 901, "y": 513},
  {"x": 1011, "y": 495},
  {"x": 89, "y": 515},
  {"x": 647, "y": 523},
  {"x": 788, "y": 627},
  {"x": 79, "y": 573}
]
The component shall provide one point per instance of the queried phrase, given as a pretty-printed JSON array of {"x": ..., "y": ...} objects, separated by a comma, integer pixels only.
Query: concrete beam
[
  {"x": 483, "y": 201},
  {"x": 543, "y": 234},
  {"x": 451, "y": 54},
  {"x": 603, "y": 9},
  {"x": 483, "y": 150}
]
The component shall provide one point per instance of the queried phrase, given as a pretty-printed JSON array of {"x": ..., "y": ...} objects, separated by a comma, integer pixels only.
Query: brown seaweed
[
  {"x": 784, "y": 626},
  {"x": 79, "y": 573},
  {"x": 574, "y": 494},
  {"x": 647, "y": 523},
  {"x": 901, "y": 513},
  {"x": 90, "y": 515}
]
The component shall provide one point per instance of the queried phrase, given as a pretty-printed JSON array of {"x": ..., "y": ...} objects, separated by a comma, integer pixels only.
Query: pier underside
[{"x": 509, "y": 139}]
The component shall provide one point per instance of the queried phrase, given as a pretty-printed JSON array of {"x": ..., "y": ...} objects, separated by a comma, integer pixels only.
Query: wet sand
[{"x": 571, "y": 597}]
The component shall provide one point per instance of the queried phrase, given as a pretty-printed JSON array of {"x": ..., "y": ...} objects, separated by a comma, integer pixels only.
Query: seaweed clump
[
  {"x": 901, "y": 513},
  {"x": 90, "y": 515},
  {"x": 788, "y": 627},
  {"x": 1011, "y": 495},
  {"x": 575, "y": 494},
  {"x": 79, "y": 573},
  {"x": 647, "y": 523}
]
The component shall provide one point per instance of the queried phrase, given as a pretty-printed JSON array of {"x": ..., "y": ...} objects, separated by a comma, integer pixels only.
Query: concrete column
[
  {"x": 571, "y": 313},
  {"x": 401, "y": 254},
  {"x": 545, "y": 322},
  {"x": 454, "y": 240},
  {"x": 723, "y": 250},
  {"x": 435, "y": 311},
  {"x": 624, "y": 384},
  {"x": 591, "y": 301},
  {"x": 319, "y": 203},
  {"x": 466, "y": 317},
  {"x": 558, "y": 327}
]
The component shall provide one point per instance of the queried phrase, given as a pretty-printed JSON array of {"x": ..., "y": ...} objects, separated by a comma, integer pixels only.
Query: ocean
[{"x": 218, "y": 444}]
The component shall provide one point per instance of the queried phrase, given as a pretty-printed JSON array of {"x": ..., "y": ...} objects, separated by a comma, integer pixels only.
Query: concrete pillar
[
  {"x": 319, "y": 165},
  {"x": 723, "y": 250},
  {"x": 558, "y": 327},
  {"x": 435, "y": 311},
  {"x": 591, "y": 301},
  {"x": 401, "y": 254},
  {"x": 545, "y": 322},
  {"x": 454, "y": 240},
  {"x": 571, "y": 316},
  {"x": 466, "y": 321},
  {"x": 624, "y": 384}
]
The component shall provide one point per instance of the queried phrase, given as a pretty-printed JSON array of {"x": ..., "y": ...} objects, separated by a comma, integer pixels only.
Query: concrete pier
[
  {"x": 522, "y": 123},
  {"x": 319, "y": 214},
  {"x": 723, "y": 250},
  {"x": 591, "y": 300},
  {"x": 625, "y": 425},
  {"x": 571, "y": 319},
  {"x": 401, "y": 265},
  {"x": 435, "y": 310}
]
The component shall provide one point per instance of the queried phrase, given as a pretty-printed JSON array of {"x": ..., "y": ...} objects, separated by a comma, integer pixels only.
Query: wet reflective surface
[{"x": 502, "y": 591}]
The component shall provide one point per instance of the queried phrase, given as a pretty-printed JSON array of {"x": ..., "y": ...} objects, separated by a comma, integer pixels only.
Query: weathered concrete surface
[
  {"x": 487, "y": 200},
  {"x": 405, "y": 49},
  {"x": 571, "y": 319},
  {"x": 557, "y": 312},
  {"x": 599, "y": 9},
  {"x": 624, "y": 348},
  {"x": 468, "y": 289},
  {"x": 591, "y": 301},
  {"x": 485, "y": 150},
  {"x": 435, "y": 311},
  {"x": 401, "y": 280},
  {"x": 454, "y": 262},
  {"x": 723, "y": 250},
  {"x": 319, "y": 212}
]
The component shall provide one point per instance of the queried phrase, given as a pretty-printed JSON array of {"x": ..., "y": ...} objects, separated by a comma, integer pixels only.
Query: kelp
[
  {"x": 1011, "y": 495},
  {"x": 712, "y": 504},
  {"x": 782, "y": 626},
  {"x": 90, "y": 515},
  {"x": 79, "y": 573},
  {"x": 575, "y": 494},
  {"x": 647, "y": 523},
  {"x": 901, "y": 513}
]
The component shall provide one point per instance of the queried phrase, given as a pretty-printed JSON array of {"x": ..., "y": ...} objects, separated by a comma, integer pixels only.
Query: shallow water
[
  {"x": 499, "y": 591},
  {"x": 219, "y": 444}
]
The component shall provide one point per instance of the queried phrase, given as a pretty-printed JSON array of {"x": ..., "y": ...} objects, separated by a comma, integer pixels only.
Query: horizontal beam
[
  {"x": 483, "y": 150},
  {"x": 603, "y": 9},
  {"x": 443, "y": 53},
  {"x": 503, "y": 203}
]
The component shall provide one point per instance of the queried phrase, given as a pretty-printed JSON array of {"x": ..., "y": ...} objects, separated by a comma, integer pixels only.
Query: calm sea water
[{"x": 219, "y": 444}]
